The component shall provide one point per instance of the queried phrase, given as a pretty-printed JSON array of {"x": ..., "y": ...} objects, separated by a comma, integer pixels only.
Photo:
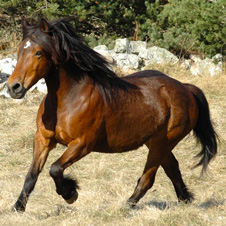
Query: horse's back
[{"x": 159, "y": 103}]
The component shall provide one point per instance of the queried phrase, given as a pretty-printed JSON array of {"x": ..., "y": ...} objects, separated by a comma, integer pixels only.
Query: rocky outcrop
[
  {"x": 134, "y": 55},
  {"x": 209, "y": 67}
]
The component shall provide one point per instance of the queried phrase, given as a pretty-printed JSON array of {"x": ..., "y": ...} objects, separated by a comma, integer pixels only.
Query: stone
[
  {"x": 195, "y": 58},
  {"x": 7, "y": 65},
  {"x": 217, "y": 58},
  {"x": 107, "y": 54},
  {"x": 100, "y": 48},
  {"x": 40, "y": 86},
  {"x": 137, "y": 46},
  {"x": 122, "y": 45},
  {"x": 143, "y": 54},
  {"x": 206, "y": 67},
  {"x": 157, "y": 55},
  {"x": 185, "y": 64},
  {"x": 128, "y": 61},
  {"x": 4, "y": 90}
]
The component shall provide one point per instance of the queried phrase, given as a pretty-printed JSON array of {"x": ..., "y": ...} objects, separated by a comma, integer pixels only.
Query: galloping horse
[{"x": 88, "y": 108}]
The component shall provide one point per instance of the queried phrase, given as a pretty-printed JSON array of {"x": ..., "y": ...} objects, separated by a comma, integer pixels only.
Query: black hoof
[
  {"x": 74, "y": 196},
  {"x": 18, "y": 207},
  {"x": 187, "y": 197},
  {"x": 70, "y": 190}
]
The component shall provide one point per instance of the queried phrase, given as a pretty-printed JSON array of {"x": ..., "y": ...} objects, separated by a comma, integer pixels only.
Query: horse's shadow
[
  {"x": 211, "y": 203},
  {"x": 163, "y": 205}
]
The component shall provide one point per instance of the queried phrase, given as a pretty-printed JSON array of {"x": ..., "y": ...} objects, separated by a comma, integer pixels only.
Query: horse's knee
[{"x": 55, "y": 170}]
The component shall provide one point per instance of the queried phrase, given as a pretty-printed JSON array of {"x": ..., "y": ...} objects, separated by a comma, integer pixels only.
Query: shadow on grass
[
  {"x": 211, "y": 203},
  {"x": 157, "y": 204},
  {"x": 167, "y": 205},
  {"x": 162, "y": 205}
]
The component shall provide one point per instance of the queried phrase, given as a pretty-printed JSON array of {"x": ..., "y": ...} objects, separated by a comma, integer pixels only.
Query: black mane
[{"x": 64, "y": 45}]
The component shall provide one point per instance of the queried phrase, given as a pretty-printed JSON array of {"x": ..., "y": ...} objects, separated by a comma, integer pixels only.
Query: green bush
[
  {"x": 181, "y": 26},
  {"x": 195, "y": 25}
]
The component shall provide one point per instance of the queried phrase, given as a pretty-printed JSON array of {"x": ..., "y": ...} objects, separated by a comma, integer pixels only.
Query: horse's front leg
[
  {"x": 67, "y": 187},
  {"x": 41, "y": 148}
]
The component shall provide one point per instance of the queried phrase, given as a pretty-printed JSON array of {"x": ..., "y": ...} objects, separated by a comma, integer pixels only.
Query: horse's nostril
[{"x": 16, "y": 87}]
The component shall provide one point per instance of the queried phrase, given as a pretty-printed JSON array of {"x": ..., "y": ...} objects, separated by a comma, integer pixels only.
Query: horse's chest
[
  {"x": 65, "y": 130},
  {"x": 71, "y": 126}
]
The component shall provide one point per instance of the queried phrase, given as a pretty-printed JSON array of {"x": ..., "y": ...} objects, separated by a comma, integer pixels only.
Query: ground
[{"x": 107, "y": 180}]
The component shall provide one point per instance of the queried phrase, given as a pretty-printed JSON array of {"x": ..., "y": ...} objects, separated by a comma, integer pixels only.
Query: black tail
[{"x": 204, "y": 130}]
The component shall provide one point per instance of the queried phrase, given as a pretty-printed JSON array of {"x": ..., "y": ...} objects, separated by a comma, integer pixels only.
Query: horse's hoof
[
  {"x": 131, "y": 203},
  {"x": 18, "y": 207},
  {"x": 74, "y": 196}
]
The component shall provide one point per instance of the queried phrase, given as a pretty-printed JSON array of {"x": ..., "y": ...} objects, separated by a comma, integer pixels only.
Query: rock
[
  {"x": 122, "y": 46},
  {"x": 40, "y": 86},
  {"x": 137, "y": 46},
  {"x": 127, "y": 61},
  {"x": 3, "y": 77},
  {"x": 185, "y": 64},
  {"x": 143, "y": 54},
  {"x": 157, "y": 55},
  {"x": 4, "y": 90},
  {"x": 100, "y": 48},
  {"x": 107, "y": 54},
  {"x": 7, "y": 65},
  {"x": 195, "y": 58},
  {"x": 217, "y": 58},
  {"x": 206, "y": 67}
]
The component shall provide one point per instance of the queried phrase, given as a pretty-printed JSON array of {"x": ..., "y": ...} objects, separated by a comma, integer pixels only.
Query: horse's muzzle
[{"x": 16, "y": 90}]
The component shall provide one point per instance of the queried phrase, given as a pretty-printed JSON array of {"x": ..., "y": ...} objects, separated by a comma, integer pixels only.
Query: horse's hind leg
[
  {"x": 171, "y": 168},
  {"x": 159, "y": 148},
  {"x": 146, "y": 180}
]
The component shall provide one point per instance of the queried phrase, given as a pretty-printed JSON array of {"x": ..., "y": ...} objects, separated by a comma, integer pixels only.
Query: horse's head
[{"x": 33, "y": 62}]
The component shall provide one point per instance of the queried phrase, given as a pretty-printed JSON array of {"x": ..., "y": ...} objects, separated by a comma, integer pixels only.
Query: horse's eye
[{"x": 38, "y": 53}]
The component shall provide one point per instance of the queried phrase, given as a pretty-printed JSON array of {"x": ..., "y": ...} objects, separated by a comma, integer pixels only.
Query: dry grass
[{"x": 106, "y": 181}]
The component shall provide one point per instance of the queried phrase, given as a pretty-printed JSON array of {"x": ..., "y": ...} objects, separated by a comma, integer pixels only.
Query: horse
[{"x": 88, "y": 108}]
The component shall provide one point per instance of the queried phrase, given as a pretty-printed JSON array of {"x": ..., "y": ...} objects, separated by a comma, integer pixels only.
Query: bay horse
[{"x": 89, "y": 109}]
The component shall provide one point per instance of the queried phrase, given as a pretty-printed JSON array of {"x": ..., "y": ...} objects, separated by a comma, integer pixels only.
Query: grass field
[{"x": 107, "y": 180}]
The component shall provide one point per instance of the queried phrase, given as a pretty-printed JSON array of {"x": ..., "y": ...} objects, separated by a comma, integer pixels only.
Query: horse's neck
[{"x": 62, "y": 85}]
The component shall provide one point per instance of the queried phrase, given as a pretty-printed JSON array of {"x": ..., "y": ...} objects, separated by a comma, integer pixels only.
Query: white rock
[
  {"x": 206, "y": 67},
  {"x": 40, "y": 86},
  {"x": 185, "y": 64},
  {"x": 7, "y": 65},
  {"x": 122, "y": 46},
  {"x": 157, "y": 55},
  {"x": 217, "y": 58},
  {"x": 137, "y": 46},
  {"x": 128, "y": 61},
  {"x": 4, "y": 90},
  {"x": 195, "y": 58},
  {"x": 100, "y": 47},
  {"x": 143, "y": 54},
  {"x": 106, "y": 54}
]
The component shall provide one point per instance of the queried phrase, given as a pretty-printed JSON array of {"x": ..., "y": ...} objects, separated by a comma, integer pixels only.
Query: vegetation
[{"x": 181, "y": 26}]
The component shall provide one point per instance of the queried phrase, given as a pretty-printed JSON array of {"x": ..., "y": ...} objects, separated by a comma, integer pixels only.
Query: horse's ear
[
  {"x": 44, "y": 26},
  {"x": 24, "y": 24}
]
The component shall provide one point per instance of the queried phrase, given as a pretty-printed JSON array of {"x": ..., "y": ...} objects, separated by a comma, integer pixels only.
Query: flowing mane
[{"x": 65, "y": 46}]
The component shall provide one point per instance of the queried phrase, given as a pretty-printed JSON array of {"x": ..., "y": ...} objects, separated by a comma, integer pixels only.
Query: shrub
[{"x": 181, "y": 26}]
